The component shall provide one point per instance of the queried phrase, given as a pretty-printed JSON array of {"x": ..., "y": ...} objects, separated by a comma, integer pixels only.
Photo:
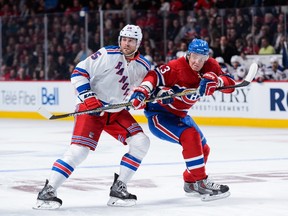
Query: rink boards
[{"x": 259, "y": 105}]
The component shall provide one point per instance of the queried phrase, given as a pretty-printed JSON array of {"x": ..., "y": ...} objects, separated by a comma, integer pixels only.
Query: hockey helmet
[
  {"x": 198, "y": 46},
  {"x": 258, "y": 62},
  {"x": 219, "y": 59},
  {"x": 241, "y": 71},
  {"x": 274, "y": 59},
  {"x": 236, "y": 58},
  {"x": 131, "y": 31}
]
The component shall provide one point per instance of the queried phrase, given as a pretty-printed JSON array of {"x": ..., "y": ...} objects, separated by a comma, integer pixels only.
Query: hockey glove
[
  {"x": 89, "y": 99},
  {"x": 163, "y": 92},
  {"x": 226, "y": 80},
  {"x": 208, "y": 84},
  {"x": 138, "y": 97}
]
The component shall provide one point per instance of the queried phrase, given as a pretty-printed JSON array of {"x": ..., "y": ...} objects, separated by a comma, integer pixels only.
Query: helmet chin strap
[{"x": 132, "y": 54}]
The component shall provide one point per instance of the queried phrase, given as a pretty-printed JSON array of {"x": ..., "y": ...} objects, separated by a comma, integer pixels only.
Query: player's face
[
  {"x": 274, "y": 65},
  {"x": 128, "y": 45},
  {"x": 235, "y": 64},
  {"x": 196, "y": 61}
]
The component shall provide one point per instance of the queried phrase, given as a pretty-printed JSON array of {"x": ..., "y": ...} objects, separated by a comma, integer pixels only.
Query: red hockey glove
[
  {"x": 163, "y": 92},
  {"x": 208, "y": 84},
  {"x": 226, "y": 80},
  {"x": 89, "y": 99},
  {"x": 138, "y": 97}
]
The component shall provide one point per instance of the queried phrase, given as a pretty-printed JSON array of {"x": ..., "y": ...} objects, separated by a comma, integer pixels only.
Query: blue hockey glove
[
  {"x": 208, "y": 84},
  {"x": 163, "y": 92}
]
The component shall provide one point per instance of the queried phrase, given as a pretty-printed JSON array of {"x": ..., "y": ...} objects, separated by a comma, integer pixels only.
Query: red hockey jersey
[{"x": 178, "y": 75}]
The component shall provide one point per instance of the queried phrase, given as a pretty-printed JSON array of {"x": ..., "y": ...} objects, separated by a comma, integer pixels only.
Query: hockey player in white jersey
[{"x": 105, "y": 77}]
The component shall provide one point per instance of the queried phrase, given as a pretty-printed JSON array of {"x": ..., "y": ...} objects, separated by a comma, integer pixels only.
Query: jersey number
[
  {"x": 95, "y": 55},
  {"x": 164, "y": 69}
]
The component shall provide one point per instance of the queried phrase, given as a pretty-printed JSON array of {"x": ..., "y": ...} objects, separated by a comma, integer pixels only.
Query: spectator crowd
[{"x": 233, "y": 29}]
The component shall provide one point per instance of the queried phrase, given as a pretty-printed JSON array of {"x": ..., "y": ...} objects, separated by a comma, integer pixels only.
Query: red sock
[{"x": 192, "y": 148}]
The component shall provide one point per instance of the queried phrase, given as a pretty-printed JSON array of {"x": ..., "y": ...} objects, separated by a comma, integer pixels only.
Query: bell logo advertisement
[
  {"x": 50, "y": 97},
  {"x": 29, "y": 96}
]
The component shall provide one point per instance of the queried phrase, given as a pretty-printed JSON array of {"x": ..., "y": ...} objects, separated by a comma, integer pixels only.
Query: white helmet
[
  {"x": 273, "y": 59},
  {"x": 220, "y": 60},
  {"x": 258, "y": 62},
  {"x": 131, "y": 31},
  {"x": 241, "y": 71},
  {"x": 236, "y": 58}
]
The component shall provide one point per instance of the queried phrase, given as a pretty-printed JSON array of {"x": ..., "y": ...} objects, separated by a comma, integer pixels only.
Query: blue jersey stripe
[
  {"x": 80, "y": 71},
  {"x": 113, "y": 49},
  {"x": 146, "y": 62},
  {"x": 143, "y": 63},
  {"x": 60, "y": 171},
  {"x": 128, "y": 165},
  {"x": 160, "y": 78},
  {"x": 84, "y": 87},
  {"x": 132, "y": 158},
  {"x": 195, "y": 162},
  {"x": 65, "y": 164}
]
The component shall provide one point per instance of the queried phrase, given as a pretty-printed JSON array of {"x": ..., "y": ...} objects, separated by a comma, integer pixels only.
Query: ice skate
[
  {"x": 47, "y": 198},
  {"x": 189, "y": 190},
  {"x": 207, "y": 189},
  {"x": 119, "y": 196}
]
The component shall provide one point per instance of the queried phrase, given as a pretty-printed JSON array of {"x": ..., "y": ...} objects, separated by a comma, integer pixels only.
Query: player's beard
[{"x": 127, "y": 51}]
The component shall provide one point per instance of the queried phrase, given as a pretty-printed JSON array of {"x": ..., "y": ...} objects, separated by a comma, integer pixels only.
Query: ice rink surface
[{"x": 252, "y": 161}]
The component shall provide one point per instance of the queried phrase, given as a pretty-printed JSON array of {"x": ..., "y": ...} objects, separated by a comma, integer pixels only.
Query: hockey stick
[
  {"x": 248, "y": 79},
  {"x": 50, "y": 116}
]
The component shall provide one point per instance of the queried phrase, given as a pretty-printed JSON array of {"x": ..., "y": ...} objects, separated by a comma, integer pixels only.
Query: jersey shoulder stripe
[
  {"x": 80, "y": 72},
  {"x": 145, "y": 62},
  {"x": 113, "y": 49},
  {"x": 161, "y": 80}
]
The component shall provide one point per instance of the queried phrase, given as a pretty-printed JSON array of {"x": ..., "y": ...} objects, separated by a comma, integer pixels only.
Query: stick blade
[
  {"x": 252, "y": 72},
  {"x": 42, "y": 111}
]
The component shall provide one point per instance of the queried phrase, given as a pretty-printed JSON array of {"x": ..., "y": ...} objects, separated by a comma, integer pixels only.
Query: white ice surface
[{"x": 252, "y": 161}]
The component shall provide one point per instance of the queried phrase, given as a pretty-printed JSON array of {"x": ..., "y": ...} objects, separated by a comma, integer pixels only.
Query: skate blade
[
  {"x": 46, "y": 205},
  {"x": 117, "y": 202},
  {"x": 208, "y": 197}
]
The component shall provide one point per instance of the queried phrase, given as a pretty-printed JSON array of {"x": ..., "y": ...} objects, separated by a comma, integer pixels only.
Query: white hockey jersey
[{"x": 109, "y": 75}]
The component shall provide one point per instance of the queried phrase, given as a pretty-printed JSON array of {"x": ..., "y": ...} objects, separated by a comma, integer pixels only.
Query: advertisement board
[
  {"x": 258, "y": 100},
  {"x": 259, "y": 104},
  {"x": 29, "y": 96}
]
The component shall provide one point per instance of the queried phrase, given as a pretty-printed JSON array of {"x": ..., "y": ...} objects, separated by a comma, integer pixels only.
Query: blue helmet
[{"x": 198, "y": 46}]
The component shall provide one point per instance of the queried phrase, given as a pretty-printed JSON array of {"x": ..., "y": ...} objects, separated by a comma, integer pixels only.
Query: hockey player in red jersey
[{"x": 168, "y": 119}]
